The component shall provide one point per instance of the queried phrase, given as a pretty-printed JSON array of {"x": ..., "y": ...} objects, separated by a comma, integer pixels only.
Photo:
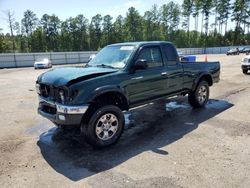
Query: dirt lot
[{"x": 165, "y": 144}]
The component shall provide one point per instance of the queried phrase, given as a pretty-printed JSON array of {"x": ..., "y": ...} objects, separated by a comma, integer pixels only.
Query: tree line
[{"x": 170, "y": 22}]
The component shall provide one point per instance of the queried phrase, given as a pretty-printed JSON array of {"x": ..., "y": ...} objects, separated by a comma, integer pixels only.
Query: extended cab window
[
  {"x": 152, "y": 55},
  {"x": 170, "y": 54}
]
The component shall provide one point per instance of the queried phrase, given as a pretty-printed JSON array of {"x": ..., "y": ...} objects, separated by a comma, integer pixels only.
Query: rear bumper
[{"x": 61, "y": 114}]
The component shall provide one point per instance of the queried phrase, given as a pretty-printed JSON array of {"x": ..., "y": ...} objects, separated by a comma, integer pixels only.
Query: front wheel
[
  {"x": 244, "y": 71},
  {"x": 104, "y": 127},
  {"x": 200, "y": 96}
]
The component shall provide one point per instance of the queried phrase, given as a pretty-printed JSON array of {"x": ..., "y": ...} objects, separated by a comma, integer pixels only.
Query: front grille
[
  {"x": 46, "y": 91},
  {"x": 51, "y": 92}
]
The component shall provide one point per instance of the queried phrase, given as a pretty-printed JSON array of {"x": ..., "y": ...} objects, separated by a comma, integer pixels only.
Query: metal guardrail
[
  {"x": 11, "y": 60},
  {"x": 210, "y": 50}
]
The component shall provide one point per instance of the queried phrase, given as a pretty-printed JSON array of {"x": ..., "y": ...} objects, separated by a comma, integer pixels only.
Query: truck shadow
[{"x": 149, "y": 128}]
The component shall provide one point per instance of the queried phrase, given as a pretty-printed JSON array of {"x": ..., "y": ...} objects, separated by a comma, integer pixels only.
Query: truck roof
[{"x": 141, "y": 43}]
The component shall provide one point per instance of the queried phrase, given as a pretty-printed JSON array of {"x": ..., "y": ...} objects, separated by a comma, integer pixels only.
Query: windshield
[{"x": 113, "y": 56}]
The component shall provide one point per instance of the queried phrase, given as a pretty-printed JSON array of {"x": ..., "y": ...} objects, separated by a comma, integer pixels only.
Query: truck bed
[{"x": 192, "y": 70}]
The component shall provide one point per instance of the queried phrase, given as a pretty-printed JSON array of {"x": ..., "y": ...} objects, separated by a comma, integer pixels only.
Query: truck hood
[{"x": 70, "y": 75}]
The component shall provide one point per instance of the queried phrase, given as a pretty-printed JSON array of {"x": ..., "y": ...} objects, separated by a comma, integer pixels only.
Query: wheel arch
[
  {"x": 104, "y": 96},
  {"x": 109, "y": 95},
  {"x": 205, "y": 76}
]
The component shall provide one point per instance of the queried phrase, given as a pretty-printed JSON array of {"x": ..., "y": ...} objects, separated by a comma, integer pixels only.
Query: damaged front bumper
[{"x": 61, "y": 114}]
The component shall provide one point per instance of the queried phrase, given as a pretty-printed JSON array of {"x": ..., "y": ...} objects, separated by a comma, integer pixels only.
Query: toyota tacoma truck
[{"x": 122, "y": 76}]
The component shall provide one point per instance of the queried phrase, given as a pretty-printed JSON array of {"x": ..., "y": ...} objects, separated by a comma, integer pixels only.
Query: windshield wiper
[{"x": 105, "y": 66}]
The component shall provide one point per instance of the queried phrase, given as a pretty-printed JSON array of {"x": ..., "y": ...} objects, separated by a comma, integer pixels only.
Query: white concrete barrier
[{"x": 11, "y": 60}]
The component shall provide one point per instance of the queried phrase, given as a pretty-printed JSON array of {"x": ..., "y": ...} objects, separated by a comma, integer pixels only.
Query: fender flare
[
  {"x": 106, "y": 89},
  {"x": 198, "y": 79}
]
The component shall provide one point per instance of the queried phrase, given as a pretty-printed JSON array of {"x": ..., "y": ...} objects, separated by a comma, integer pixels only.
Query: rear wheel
[
  {"x": 200, "y": 96},
  {"x": 104, "y": 127}
]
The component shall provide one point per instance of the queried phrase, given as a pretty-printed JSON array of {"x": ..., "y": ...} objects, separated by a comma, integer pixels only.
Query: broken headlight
[
  {"x": 62, "y": 96},
  {"x": 38, "y": 89}
]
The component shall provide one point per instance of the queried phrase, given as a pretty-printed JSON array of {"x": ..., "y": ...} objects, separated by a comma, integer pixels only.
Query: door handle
[
  {"x": 137, "y": 78},
  {"x": 164, "y": 73}
]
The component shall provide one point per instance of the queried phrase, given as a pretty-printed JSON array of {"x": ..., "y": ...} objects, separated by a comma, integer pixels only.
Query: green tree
[
  {"x": 223, "y": 8},
  {"x": 95, "y": 32},
  {"x": 66, "y": 39},
  {"x": 215, "y": 13},
  {"x": 29, "y": 23},
  {"x": 107, "y": 31},
  {"x": 51, "y": 26},
  {"x": 77, "y": 29},
  {"x": 45, "y": 25},
  {"x": 38, "y": 41},
  {"x": 170, "y": 19},
  {"x": 54, "y": 26},
  {"x": 206, "y": 11},
  {"x": 1, "y": 41},
  {"x": 119, "y": 33},
  {"x": 7, "y": 43},
  {"x": 240, "y": 12},
  {"x": 152, "y": 25},
  {"x": 133, "y": 25},
  {"x": 187, "y": 9},
  {"x": 82, "y": 32},
  {"x": 196, "y": 12}
]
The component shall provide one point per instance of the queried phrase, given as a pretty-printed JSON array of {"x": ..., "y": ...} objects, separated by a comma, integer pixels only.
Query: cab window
[
  {"x": 170, "y": 54},
  {"x": 152, "y": 55}
]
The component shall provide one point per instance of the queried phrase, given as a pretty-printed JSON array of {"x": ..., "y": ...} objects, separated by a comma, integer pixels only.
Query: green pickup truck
[{"x": 92, "y": 99}]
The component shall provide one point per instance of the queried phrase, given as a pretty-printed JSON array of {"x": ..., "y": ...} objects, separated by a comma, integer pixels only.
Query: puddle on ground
[
  {"x": 47, "y": 136},
  {"x": 217, "y": 104},
  {"x": 174, "y": 105},
  {"x": 126, "y": 117},
  {"x": 47, "y": 131},
  {"x": 211, "y": 104},
  {"x": 129, "y": 121}
]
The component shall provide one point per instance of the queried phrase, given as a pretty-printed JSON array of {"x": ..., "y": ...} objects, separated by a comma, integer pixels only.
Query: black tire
[
  {"x": 244, "y": 71},
  {"x": 89, "y": 128},
  {"x": 197, "y": 99}
]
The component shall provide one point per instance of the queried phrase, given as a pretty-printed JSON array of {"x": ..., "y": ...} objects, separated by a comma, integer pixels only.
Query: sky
[{"x": 71, "y": 8}]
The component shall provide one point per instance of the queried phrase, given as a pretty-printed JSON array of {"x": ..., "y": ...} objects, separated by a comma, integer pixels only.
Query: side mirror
[{"x": 141, "y": 64}]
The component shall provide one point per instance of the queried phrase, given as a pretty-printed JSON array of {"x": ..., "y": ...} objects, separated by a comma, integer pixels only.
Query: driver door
[{"x": 148, "y": 83}]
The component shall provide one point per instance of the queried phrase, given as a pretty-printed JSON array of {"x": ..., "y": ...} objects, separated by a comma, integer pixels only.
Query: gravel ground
[{"x": 165, "y": 144}]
